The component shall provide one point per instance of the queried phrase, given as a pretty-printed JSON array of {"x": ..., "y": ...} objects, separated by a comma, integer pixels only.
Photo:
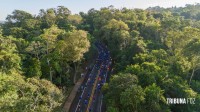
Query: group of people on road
[{"x": 102, "y": 65}]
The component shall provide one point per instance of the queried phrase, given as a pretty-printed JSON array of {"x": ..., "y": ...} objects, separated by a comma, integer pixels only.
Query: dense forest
[{"x": 155, "y": 52}]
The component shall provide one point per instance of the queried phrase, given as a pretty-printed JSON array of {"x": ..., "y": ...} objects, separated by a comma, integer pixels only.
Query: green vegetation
[
  {"x": 40, "y": 58},
  {"x": 156, "y": 55}
]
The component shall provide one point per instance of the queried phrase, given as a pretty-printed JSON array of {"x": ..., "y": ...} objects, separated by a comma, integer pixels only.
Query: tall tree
[
  {"x": 50, "y": 36},
  {"x": 74, "y": 45}
]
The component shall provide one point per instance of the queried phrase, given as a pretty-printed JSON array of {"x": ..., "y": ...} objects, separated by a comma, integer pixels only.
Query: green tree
[
  {"x": 154, "y": 99},
  {"x": 115, "y": 34},
  {"x": 9, "y": 59},
  {"x": 132, "y": 99},
  {"x": 50, "y": 37},
  {"x": 73, "y": 46},
  {"x": 118, "y": 84}
]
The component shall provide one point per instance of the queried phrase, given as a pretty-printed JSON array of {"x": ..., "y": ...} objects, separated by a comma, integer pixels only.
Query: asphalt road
[{"x": 89, "y": 96}]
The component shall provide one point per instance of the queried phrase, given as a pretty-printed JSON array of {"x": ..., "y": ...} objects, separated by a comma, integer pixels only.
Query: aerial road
[{"x": 89, "y": 97}]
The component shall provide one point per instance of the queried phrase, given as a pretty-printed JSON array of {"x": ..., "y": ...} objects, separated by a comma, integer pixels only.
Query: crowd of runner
[{"x": 90, "y": 91}]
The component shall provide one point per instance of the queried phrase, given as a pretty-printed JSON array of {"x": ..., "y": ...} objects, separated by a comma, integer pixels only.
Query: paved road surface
[{"x": 89, "y": 97}]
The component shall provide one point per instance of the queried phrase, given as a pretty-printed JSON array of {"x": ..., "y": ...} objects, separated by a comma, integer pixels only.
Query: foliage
[{"x": 155, "y": 56}]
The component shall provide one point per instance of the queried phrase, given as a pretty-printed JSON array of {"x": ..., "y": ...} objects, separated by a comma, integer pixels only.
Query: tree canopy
[{"x": 155, "y": 52}]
